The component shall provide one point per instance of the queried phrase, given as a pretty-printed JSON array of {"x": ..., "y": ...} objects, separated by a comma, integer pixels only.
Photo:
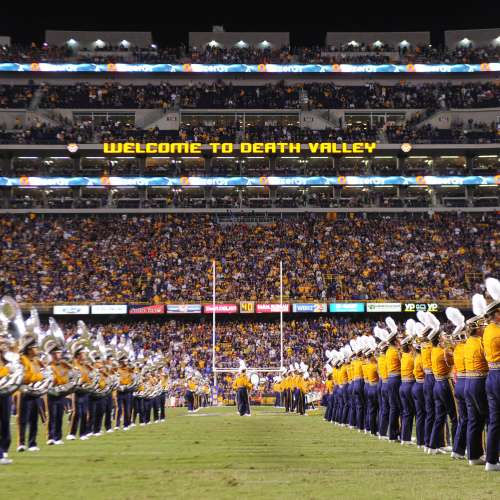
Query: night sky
[{"x": 174, "y": 30}]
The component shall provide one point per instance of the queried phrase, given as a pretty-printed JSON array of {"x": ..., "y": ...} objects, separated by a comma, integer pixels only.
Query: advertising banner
[
  {"x": 69, "y": 309},
  {"x": 309, "y": 308},
  {"x": 347, "y": 307},
  {"x": 220, "y": 308},
  {"x": 109, "y": 309},
  {"x": 271, "y": 308},
  {"x": 183, "y": 308},
  {"x": 245, "y": 68},
  {"x": 152, "y": 309},
  {"x": 413, "y": 307},
  {"x": 349, "y": 180},
  {"x": 377, "y": 307}
]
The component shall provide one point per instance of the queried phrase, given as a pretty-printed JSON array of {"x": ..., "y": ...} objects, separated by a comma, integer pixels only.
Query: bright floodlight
[
  {"x": 125, "y": 44},
  {"x": 99, "y": 43},
  {"x": 72, "y": 42},
  {"x": 213, "y": 43}
]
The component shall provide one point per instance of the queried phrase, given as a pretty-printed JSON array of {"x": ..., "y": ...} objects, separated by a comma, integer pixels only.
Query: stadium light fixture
[
  {"x": 404, "y": 43},
  {"x": 125, "y": 44},
  {"x": 465, "y": 42},
  {"x": 99, "y": 43},
  {"x": 241, "y": 44},
  {"x": 265, "y": 43},
  {"x": 213, "y": 43},
  {"x": 378, "y": 43},
  {"x": 154, "y": 46},
  {"x": 353, "y": 43},
  {"x": 72, "y": 42},
  {"x": 496, "y": 41}
]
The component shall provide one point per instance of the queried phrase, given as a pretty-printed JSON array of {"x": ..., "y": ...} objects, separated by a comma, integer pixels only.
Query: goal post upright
[
  {"x": 281, "y": 314},
  {"x": 213, "y": 324}
]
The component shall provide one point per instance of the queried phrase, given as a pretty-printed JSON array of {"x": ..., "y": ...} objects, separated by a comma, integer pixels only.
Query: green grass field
[{"x": 217, "y": 454}]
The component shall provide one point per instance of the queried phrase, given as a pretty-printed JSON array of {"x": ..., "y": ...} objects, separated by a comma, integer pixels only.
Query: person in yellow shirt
[
  {"x": 329, "y": 394},
  {"x": 358, "y": 385},
  {"x": 417, "y": 393},
  {"x": 371, "y": 389},
  {"x": 342, "y": 395},
  {"x": 242, "y": 386},
  {"x": 476, "y": 370},
  {"x": 458, "y": 338},
  {"x": 5, "y": 399},
  {"x": 393, "y": 362},
  {"x": 444, "y": 403},
  {"x": 405, "y": 390},
  {"x": 190, "y": 392},
  {"x": 426, "y": 350},
  {"x": 79, "y": 418},
  {"x": 28, "y": 404},
  {"x": 491, "y": 341},
  {"x": 383, "y": 398},
  {"x": 55, "y": 402}
]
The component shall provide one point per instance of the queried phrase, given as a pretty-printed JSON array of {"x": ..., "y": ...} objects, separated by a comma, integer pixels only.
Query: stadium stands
[{"x": 167, "y": 258}]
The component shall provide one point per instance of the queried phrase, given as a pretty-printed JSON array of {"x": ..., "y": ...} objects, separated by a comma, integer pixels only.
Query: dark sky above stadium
[{"x": 174, "y": 27}]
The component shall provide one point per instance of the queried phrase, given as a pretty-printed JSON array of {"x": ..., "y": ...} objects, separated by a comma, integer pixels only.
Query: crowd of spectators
[
  {"x": 167, "y": 258},
  {"x": 350, "y": 53},
  {"x": 429, "y": 96}
]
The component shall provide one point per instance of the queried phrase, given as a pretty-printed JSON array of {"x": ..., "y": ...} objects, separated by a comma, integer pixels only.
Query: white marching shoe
[
  {"x": 59, "y": 442},
  {"x": 5, "y": 460},
  {"x": 492, "y": 467},
  {"x": 109, "y": 431},
  {"x": 477, "y": 461},
  {"x": 33, "y": 448},
  {"x": 21, "y": 448},
  {"x": 50, "y": 442},
  {"x": 84, "y": 438},
  {"x": 70, "y": 437},
  {"x": 457, "y": 456}
]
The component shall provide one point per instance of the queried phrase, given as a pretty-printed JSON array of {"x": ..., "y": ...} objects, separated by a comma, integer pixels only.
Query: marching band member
[
  {"x": 302, "y": 388},
  {"x": 79, "y": 418},
  {"x": 125, "y": 391},
  {"x": 491, "y": 342},
  {"x": 407, "y": 382},
  {"x": 393, "y": 380},
  {"x": 417, "y": 390},
  {"x": 343, "y": 384},
  {"x": 29, "y": 401},
  {"x": 11, "y": 373},
  {"x": 242, "y": 385},
  {"x": 383, "y": 414},
  {"x": 426, "y": 350},
  {"x": 190, "y": 390},
  {"x": 444, "y": 404},
  {"x": 329, "y": 392},
  {"x": 460, "y": 438},
  {"x": 351, "y": 407},
  {"x": 358, "y": 385},
  {"x": 57, "y": 393},
  {"x": 371, "y": 385},
  {"x": 476, "y": 370}
]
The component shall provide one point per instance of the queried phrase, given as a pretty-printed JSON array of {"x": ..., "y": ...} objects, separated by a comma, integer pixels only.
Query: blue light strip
[
  {"x": 248, "y": 68},
  {"x": 427, "y": 180}
]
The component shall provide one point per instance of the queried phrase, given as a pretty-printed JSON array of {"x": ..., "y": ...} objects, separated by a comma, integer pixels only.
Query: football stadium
[{"x": 235, "y": 266}]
